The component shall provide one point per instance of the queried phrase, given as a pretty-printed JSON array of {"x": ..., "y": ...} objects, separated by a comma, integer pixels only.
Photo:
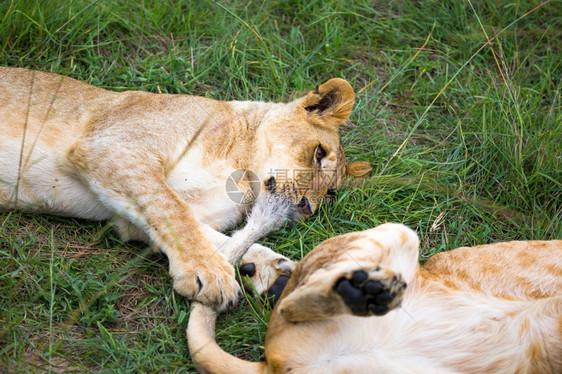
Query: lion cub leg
[
  {"x": 361, "y": 273},
  {"x": 198, "y": 270},
  {"x": 268, "y": 271},
  {"x": 263, "y": 266},
  {"x": 134, "y": 190}
]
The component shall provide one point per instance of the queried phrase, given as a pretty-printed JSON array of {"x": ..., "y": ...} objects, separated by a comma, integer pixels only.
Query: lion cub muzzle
[{"x": 303, "y": 208}]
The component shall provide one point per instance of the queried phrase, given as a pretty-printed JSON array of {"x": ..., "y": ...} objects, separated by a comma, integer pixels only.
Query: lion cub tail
[{"x": 205, "y": 351}]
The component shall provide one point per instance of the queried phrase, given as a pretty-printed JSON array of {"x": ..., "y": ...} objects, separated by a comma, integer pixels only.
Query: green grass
[{"x": 464, "y": 138}]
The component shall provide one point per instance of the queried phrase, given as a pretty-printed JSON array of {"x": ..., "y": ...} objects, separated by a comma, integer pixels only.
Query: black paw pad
[
  {"x": 274, "y": 292},
  {"x": 373, "y": 287},
  {"x": 366, "y": 296},
  {"x": 248, "y": 269},
  {"x": 359, "y": 277},
  {"x": 352, "y": 296}
]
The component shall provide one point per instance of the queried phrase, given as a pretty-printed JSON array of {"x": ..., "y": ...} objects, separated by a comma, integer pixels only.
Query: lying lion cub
[
  {"x": 160, "y": 166},
  {"x": 346, "y": 309}
]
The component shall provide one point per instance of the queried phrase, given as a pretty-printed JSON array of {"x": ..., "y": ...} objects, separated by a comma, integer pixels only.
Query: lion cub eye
[{"x": 319, "y": 154}]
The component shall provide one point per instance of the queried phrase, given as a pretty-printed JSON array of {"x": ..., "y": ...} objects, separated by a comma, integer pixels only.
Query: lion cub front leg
[
  {"x": 362, "y": 274},
  {"x": 137, "y": 192},
  {"x": 266, "y": 269}
]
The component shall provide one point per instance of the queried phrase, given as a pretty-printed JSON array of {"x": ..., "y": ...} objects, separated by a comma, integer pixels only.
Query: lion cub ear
[
  {"x": 330, "y": 104},
  {"x": 358, "y": 169}
]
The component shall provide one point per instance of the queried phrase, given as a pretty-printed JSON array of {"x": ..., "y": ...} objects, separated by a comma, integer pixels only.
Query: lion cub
[
  {"x": 360, "y": 303},
  {"x": 171, "y": 170}
]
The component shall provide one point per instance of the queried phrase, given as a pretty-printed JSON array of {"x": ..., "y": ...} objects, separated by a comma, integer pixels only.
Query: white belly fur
[
  {"x": 43, "y": 185},
  {"x": 425, "y": 335}
]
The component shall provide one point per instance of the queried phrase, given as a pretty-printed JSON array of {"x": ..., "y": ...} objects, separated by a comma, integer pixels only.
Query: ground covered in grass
[{"x": 458, "y": 111}]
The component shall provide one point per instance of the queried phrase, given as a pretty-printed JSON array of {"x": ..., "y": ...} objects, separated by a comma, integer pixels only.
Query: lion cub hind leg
[
  {"x": 363, "y": 274},
  {"x": 360, "y": 289}
]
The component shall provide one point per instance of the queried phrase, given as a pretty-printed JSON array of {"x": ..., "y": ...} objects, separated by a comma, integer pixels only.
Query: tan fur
[
  {"x": 488, "y": 309},
  {"x": 157, "y": 165}
]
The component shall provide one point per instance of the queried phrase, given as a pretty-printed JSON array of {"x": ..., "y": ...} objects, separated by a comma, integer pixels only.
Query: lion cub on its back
[
  {"x": 360, "y": 303},
  {"x": 158, "y": 164}
]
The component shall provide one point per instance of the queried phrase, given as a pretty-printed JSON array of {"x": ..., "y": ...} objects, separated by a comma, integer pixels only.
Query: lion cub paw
[
  {"x": 212, "y": 284},
  {"x": 268, "y": 272},
  {"x": 372, "y": 292}
]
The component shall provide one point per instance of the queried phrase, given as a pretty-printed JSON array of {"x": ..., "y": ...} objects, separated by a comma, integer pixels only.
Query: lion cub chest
[{"x": 201, "y": 182}]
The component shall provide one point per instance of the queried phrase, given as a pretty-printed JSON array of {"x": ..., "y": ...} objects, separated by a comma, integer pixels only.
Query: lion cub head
[{"x": 299, "y": 154}]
